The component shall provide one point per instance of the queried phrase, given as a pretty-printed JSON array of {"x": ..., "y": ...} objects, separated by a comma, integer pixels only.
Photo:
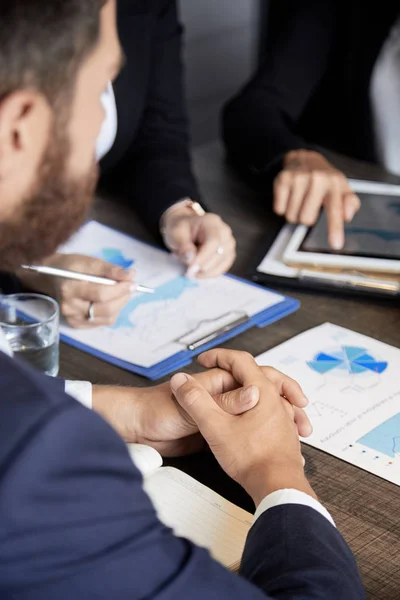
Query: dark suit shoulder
[{"x": 27, "y": 399}]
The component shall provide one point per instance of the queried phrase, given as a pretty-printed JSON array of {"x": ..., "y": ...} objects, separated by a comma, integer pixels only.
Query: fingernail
[
  {"x": 350, "y": 212},
  {"x": 189, "y": 257},
  {"x": 178, "y": 381},
  {"x": 249, "y": 395},
  {"x": 193, "y": 272},
  {"x": 133, "y": 288},
  {"x": 304, "y": 461},
  {"x": 306, "y": 400},
  {"x": 337, "y": 242}
]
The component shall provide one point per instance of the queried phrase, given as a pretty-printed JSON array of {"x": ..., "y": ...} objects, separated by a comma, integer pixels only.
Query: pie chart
[{"x": 349, "y": 359}]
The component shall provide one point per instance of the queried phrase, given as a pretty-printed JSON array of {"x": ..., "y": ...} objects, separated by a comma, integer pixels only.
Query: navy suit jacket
[{"x": 76, "y": 523}]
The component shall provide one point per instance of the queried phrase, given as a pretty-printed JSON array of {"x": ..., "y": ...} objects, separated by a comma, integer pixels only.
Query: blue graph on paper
[
  {"x": 385, "y": 438},
  {"x": 116, "y": 257},
  {"x": 347, "y": 359},
  {"x": 171, "y": 290}
]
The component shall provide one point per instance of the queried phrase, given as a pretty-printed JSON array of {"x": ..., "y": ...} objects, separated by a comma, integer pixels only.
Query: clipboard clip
[{"x": 210, "y": 336}]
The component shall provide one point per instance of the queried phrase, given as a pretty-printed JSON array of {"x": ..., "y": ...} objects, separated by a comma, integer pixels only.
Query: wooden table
[{"x": 365, "y": 508}]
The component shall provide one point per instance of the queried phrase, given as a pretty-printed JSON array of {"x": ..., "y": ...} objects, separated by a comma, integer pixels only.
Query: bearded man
[{"x": 75, "y": 521}]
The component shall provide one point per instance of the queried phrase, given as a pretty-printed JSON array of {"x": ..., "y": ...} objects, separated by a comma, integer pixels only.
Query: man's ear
[{"x": 25, "y": 118}]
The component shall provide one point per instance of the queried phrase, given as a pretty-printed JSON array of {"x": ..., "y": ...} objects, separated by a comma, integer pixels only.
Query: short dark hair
[{"x": 44, "y": 42}]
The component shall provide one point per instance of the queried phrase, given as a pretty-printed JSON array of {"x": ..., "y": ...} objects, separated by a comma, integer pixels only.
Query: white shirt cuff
[
  {"x": 291, "y": 497},
  {"x": 81, "y": 391}
]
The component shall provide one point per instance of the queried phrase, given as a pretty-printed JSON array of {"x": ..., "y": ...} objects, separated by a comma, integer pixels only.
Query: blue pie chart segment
[
  {"x": 371, "y": 365},
  {"x": 351, "y": 359},
  {"x": 323, "y": 363},
  {"x": 354, "y": 353}
]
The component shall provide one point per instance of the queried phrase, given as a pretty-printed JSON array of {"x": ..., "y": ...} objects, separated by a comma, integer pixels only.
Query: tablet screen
[{"x": 374, "y": 231}]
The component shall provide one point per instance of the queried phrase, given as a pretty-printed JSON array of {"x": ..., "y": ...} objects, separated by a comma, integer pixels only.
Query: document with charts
[
  {"x": 352, "y": 383},
  {"x": 154, "y": 327}
]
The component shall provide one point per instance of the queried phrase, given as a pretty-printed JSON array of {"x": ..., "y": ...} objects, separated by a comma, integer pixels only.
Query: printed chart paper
[
  {"x": 353, "y": 385},
  {"x": 154, "y": 327}
]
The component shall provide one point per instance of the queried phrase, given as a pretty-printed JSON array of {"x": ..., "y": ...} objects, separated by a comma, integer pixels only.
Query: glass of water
[{"x": 30, "y": 323}]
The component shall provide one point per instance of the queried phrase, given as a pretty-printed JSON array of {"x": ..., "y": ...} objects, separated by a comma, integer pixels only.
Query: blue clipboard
[{"x": 185, "y": 357}]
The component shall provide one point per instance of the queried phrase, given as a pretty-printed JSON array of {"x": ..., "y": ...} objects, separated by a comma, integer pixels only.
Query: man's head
[{"x": 56, "y": 59}]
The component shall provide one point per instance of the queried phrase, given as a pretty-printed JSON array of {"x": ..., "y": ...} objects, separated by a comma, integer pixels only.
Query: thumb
[
  {"x": 303, "y": 423},
  {"x": 195, "y": 400},
  {"x": 237, "y": 402},
  {"x": 179, "y": 239}
]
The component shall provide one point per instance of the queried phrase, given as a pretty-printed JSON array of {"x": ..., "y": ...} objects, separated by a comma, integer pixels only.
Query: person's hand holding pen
[
  {"x": 85, "y": 305},
  {"x": 309, "y": 182},
  {"x": 202, "y": 241}
]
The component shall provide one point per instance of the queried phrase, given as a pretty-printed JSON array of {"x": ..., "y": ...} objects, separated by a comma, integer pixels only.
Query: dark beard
[{"x": 56, "y": 208}]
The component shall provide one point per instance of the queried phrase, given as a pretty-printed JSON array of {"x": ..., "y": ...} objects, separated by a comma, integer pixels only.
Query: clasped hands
[{"x": 249, "y": 416}]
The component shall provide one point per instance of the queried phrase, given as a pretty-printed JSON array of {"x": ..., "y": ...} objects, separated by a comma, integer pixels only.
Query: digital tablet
[{"x": 372, "y": 238}]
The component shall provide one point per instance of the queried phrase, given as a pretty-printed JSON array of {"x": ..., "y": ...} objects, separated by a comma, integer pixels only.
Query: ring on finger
[{"x": 90, "y": 314}]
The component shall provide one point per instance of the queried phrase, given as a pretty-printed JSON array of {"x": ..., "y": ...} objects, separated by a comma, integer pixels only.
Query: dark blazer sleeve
[
  {"x": 76, "y": 523},
  {"x": 157, "y": 168},
  {"x": 293, "y": 552},
  {"x": 259, "y": 124}
]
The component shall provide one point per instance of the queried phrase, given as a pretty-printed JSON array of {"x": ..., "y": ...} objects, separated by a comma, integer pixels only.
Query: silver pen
[{"x": 55, "y": 272}]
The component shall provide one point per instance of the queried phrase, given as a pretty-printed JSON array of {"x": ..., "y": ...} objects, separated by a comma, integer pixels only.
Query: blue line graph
[
  {"x": 169, "y": 291},
  {"x": 385, "y": 438}
]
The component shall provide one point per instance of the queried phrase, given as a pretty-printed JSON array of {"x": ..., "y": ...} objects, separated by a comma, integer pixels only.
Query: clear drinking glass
[{"x": 30, "y": 323}]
